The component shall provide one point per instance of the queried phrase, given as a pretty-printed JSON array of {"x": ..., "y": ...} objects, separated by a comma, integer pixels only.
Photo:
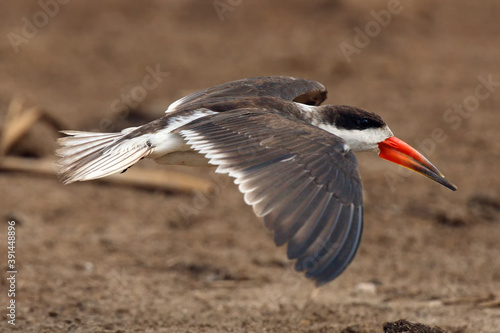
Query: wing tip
[{"x": 323, "y": 272}]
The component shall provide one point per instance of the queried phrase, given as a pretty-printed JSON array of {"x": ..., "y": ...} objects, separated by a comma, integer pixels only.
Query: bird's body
[{"x": 292, "y": 158}]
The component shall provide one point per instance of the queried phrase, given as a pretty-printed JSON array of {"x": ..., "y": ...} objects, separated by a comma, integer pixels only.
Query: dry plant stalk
[{"x": 19, "y": 121}]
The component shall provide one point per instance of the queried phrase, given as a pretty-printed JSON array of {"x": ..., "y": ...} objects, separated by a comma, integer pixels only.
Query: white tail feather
[{"x": 87, "y": 155}]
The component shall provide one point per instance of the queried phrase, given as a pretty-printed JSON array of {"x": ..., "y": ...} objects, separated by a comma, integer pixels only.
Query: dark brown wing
[
  {"x": 299, "y": 178},
  {"x": 283, "y": 87}
]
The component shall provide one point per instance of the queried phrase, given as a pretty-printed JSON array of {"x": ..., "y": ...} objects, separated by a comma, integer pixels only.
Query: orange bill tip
[{"x": 399, "y": 152}]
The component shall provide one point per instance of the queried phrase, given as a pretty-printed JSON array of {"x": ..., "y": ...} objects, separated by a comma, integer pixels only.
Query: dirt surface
[{"x": 103, "y": 258}]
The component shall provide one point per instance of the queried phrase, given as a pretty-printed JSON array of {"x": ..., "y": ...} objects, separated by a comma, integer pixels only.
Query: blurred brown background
[{"x": 96, "y": 257}]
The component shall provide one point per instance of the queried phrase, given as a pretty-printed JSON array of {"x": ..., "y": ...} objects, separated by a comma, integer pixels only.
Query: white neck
[{"x": 359, "y": 140}]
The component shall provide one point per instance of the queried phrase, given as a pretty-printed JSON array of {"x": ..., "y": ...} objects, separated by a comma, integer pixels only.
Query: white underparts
[{"x": 166, "y": 143}]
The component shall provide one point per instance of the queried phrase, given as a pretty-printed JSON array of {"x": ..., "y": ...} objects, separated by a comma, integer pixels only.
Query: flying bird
[{"x": 291, "y": 158}]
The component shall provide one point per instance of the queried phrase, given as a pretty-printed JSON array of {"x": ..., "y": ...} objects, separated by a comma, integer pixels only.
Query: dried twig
[
  {"x": 19, "y": 121},
  {"x": 139, "y": 177}
]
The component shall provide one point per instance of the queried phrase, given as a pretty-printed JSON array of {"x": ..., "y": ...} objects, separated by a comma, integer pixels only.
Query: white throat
[{"x": 360, "y": 140}]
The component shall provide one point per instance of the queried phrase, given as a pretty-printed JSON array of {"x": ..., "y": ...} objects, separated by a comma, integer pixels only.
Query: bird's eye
[{"x": 364, "y": 123}]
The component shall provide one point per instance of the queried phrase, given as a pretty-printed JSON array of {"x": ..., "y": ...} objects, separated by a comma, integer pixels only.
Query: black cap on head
[{"x": 352, "y": 118}]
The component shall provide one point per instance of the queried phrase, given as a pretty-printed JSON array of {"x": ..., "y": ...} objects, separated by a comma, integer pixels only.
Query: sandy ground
[{"x": 100, "y": 258}]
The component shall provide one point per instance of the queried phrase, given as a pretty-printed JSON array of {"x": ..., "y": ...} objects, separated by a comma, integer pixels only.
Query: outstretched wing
[
  {"x": 300, "y": 179},
  {"x": 284, "y": 87}
]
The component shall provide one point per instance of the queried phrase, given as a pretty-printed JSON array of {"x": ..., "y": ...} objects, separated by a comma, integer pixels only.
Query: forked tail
[{"x": 87, "y": 155}]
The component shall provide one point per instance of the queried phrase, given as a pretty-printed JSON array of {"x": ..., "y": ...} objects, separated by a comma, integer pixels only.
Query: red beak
[{"x": 399, "y": 152}]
